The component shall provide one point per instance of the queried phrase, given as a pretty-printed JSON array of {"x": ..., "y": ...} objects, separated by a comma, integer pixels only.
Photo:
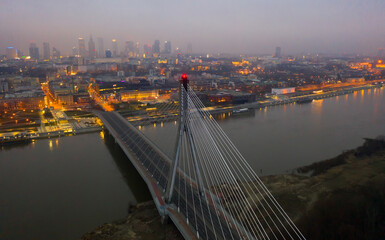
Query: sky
[{"x": 211, "y": 26}]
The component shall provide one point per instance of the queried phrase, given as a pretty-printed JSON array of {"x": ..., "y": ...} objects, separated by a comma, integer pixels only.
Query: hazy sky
[{"x": 231, "y": 26}]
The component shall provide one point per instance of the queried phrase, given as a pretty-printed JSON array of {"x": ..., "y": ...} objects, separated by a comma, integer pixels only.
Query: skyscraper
[
  {"x": 114, "y": 48},
  {"x": 101, "y": 52},
  {"x": 82, "y": 47},
  {"x": 108, "y": 53},
  {"x": 75, "y": 51},
  {"x": 277, "y": 52},
  {"x": 167, "y": 47},
  {"x": 156, "y": 48},
  {"x": 55, "y": 53},
  {"x": 11, "y": 53},
  {"x": 91, "y": 48},
  {"x": 129, "y": 50},
  {"x": 189, "y": 49},
  {"x": 147, "y": 50},
  {"x": 33, "y": 51},
  {"x": 46, "y": 51},
  {"x": 137, "y": 46},
  {"x": 381, "y": 53}
]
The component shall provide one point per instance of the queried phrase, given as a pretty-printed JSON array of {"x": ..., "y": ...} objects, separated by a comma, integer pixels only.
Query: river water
[
  {"x": 61, "y": 188},
  {"x": 281, "y": 138}
]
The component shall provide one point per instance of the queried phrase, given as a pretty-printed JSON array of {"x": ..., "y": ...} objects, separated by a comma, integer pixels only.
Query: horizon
[{"x": 245, "y": 27}]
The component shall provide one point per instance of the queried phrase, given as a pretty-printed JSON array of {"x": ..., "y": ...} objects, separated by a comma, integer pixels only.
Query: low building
[{"x": 280, "y": 91}]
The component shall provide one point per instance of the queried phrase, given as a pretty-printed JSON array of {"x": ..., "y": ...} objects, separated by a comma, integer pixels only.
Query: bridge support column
[{"x": 184, "y": 128}]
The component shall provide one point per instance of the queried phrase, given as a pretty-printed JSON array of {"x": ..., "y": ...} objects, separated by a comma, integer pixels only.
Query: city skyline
[{"x": 254, "y": 27}]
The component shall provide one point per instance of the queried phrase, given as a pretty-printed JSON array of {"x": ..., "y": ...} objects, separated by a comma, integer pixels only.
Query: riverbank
[
  {"x": 314, "y": 96},
  {"x": 57, "y": 126},
  {"x": 304, "y": 98},
  {"x": 142, "y": 222},
  {"x": 339, "y": 198}
]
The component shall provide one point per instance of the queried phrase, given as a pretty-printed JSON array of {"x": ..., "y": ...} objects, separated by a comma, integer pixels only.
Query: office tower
[
  {"x": 75, "y": 51},
  {"x": 114, "y": 48},
  {"x": 11, "y": 53},
  {"x": 91, "y": 48},
  {"x": 46, "y": 51},
  {"x": 147, "y": 49},
  {"x": 55, "y": 53},
  {"x": 108, "y": 53},
  {"x": 33, "y": 51},
  {"x": 167, "y": 47},
  {"x": 381, "y": 53},
  {"x": 277, "y": 52},
  {"x": 129, "y": 50},
  {"x": 82, "y": 48},
  {"x": 189, "y": 49},
  {"x": 137, "y": 47},
  {"x": 156, "y": 48},
  {"x": 101, "y": 52}
]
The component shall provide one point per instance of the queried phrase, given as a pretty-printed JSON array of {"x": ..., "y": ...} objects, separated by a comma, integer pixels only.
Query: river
[
  {"x": 280, "y": 138},
  {"x": 61, "y": 188}
]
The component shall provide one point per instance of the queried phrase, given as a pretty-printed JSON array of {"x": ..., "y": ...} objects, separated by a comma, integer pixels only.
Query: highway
[{"x": 203, "y": 221}]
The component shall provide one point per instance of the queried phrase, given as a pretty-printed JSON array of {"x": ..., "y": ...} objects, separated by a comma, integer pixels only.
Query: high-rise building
[
  {"x": 115, "y": 52},
  {"x": 75, "y": 51},
  {"x": 167, "y": 47},
  {"x": 55, "y": 53},
  {"x": 156, "y": 48},
  {"x": 46, "y": 51},
  {"x": 147, "y": 49},
  {"x": 82, "y": 47},
  {"x": 91, "y": 48},
  {"x": 33, "y": 51},
  {"x": 129, "y": 50},
  {"x": 381, "y": 53},
  {"x": 137, "y": 46},
  {"x": 101, "y": 52},
  {"x": 108, "y": 53},
  {"x": 277, "y": 52},
  {"x": 189, "y": 49},
  {"x": 11, "y": 53}
]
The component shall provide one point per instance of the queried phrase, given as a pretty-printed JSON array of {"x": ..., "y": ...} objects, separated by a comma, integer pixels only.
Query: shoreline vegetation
[{"x": 339, "y": 198}]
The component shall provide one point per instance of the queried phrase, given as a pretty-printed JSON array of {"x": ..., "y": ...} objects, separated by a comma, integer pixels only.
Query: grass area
[
  {"x": 19, "y": 116},
  {"x": 79, "y": 114},
  {"x": 23, "y": 127},
  {"x": 343, "y": 199}
]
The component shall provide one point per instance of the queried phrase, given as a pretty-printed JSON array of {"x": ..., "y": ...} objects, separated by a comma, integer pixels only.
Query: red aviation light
[{"x": 184, "y": 76}]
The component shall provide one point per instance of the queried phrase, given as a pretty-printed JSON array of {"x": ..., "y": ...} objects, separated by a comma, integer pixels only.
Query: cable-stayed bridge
[{"x": 206, "y": 188}]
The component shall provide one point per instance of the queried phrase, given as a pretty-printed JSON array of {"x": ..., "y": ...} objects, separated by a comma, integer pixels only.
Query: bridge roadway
[{"x": 153, "y": 165}]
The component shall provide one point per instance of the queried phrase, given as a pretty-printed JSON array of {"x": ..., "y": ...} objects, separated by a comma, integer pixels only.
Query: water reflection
[
  {"x": 132, "y": 178},
  {"x": 317, "y": 106},
  {"x": 223, "y": 116},
  {"x": 277, "y": 141}
]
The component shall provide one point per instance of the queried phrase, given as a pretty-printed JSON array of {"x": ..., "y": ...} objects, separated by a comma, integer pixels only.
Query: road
[{"x": 202, "y": 217}]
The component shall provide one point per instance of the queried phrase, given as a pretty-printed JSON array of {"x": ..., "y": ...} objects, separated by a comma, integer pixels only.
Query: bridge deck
[{"x": 203, "y": 222}]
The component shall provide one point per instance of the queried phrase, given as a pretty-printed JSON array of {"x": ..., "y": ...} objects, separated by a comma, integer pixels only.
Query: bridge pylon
[{"x": 183, "y": 131}]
